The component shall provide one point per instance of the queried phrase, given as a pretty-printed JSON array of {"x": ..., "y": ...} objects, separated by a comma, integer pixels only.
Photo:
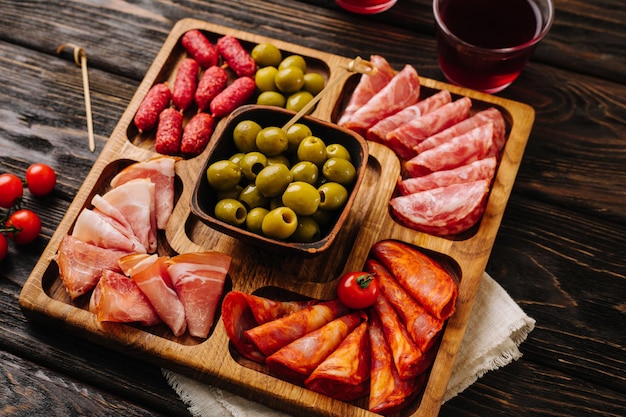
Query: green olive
[
  {"x": 251, "y": 164},
  {"x": 295, "y": 134},
  {"x": 301, "y": 197},
  {"x": 312, "y": 149},
  {"x": 305, "y": 171},
  {"x": 265, "y": 54},
  {"x": 231, "y": 211},
  {"x": 325, "y": 218},
  {"x": 236, "y": 158},
  {"x": 307, "y": 231},
  {"x": 264, "y": 78},
  {"x": 273, "y": 180},
  {"x": 223, "y": 175},
  {"x": 276, "y": 202},
  {"x": 293, "y": 61},
  {"x": 333, "y": 196},
  {"x": 298, "y": 100},
  {"x": 279, "y": 159},
  {"x": 339, "y": 170},
  {"x": 231, "y": 193},
  {"x": 252, "y": 197},
  {"x": 272, "y": 140},
  {"x": 280, "y": 223},
  {"x": 336, "y": 150},
  {"x": 289, "y": 79},
  {"x": 314, "y": 82},
  {"x": 254, "y": 219},
  {"x": 271, "y": 98},
  {"x": 244, "y": 135}
]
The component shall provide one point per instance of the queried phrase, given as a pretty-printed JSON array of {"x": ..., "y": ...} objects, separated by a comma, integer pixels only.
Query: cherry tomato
[
  {"x": 23, "y": 226},
  {"x": 4, "y": 247},
  {"x": 357, "y": 289},
  {"x": 40, "y": 179},
  {"x": 11, "y": 190}
]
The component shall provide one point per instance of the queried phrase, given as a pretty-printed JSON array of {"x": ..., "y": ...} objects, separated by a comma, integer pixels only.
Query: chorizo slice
[
  {"x": 196, "y": 134},
  {"x": 185, "y": 83},
  {"x": 200, "y": 48},
  {"x": 212, "y": 82},
  {"x": 233, "y": 96},
  {"x": 157, "y": 100},
  {"x": 235, "y": 55},
  {"x": 169, "y": 132}
]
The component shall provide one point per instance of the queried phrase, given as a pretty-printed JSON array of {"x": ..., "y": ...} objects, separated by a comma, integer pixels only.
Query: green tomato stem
[{"x": 365, "y": 280}]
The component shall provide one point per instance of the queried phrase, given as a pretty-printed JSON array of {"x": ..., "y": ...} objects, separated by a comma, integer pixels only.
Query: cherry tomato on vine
[
  {"x": 23, "y": 226},
  {"x": 4, "y": 247},
  {"x": 357, "y": 289},
  {"x": 11, "y": 189},
  {"x": 40, "y": 179}
]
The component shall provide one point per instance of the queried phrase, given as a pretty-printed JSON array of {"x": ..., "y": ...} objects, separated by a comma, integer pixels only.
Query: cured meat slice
[
  {"x": 198, "y": 279},
  {"x": 404, "y": 139},
  {"x": 423, "y": 277},
  {"x": 117, "y": 298},
  {"x": 155, "y": 282},
  {"x": 469, "y": 147},
  {"x": 402, "y": 91},
  {"x": 271, "y": 336},
  {"x": 421, "y": 325},
  {"x": 161, "y": 171},
  {"x": 297, "y": 360},
  {"x": 81, "y": 264},
  {"x": 96, "y": 228},
  {"x": 388, "y": 392},
  {"x": 407, "y": 357},
  {"x": 490, "y": 115},
  {"x": 442, "y": 211},
  {"x": 483, "y": 169},
  {"x": 368, "y": 86},
  {"x": 344, "y": 374},
  {"x": 378, "y": 132},
  {"x": 135, "y": 262},
  {"x": 241, "y": 312}
]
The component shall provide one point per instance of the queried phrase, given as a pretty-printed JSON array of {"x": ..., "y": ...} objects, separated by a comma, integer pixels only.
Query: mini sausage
[
  {"x": 212, "y": 82},
  {"x": 237, "y": 58},
  {"x": 157, "y": 99},
  {"x": 200, "y": 48},
  {"x": 185, "y": 83},
  {"x": 169, "y": 132},
  {"x": 196, "y": 134},
  {"x": 233, "y": 96}
]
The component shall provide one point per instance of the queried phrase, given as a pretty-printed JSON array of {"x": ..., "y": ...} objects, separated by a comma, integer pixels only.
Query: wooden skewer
[{"x": 80, "y": 58}]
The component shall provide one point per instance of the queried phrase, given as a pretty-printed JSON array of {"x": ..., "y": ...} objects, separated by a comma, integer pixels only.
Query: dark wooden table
[{"x": 560, "y": 251}]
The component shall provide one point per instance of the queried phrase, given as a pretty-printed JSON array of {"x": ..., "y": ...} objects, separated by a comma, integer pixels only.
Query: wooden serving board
[{"x": 265, "y": 273}]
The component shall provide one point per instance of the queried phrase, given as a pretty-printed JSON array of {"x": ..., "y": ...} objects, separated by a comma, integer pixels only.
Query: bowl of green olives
[{"x": 289, "y": 190}]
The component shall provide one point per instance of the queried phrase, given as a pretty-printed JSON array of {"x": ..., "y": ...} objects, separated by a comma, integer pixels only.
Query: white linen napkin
[{"x": 496, "y": 328}]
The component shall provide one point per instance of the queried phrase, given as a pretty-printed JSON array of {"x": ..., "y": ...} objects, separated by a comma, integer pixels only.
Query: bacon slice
[
  {"x": 344, "y": 374},
  {"x": 198, "y": 279},
  {"x": 297, "y": 360},
  {"x": 368, "y": 86},
  {"x": 271, "y": 336},
  {"x": 81, "y": 264},
  {"x": 469, "y": 147},
  {"x": 483, "y": 169},
  {"x": 423, "y": 277},
  {"x": 378, "y": 132},
  {"x": 404, "y": 139},
  {"x": 96, "y": 228},
  {"x": 117, "y": 298},
  {"x": 402, "y": 91}
]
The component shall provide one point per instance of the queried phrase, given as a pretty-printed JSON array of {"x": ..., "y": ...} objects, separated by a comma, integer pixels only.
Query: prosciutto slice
[
  {"x": 117, "y": 298},
  {"x": 344, "y": 375},
  {"x": 483, "y": 169},
  {"x": 368, "y": 86},
  {"x": 402, "y": 91},
  {"x": 198, "y": 279},
  {"x": 404, "y": 139},
  {"x": 96, "y": 228},
  {"x": 161, "y": 171},
  {"x": 135, "y": 262},
  {"x": 297, "y": 360},
  {"x": 442, "y": 211},
  {"x": 423, "y": 277},
  {"x": 464, "y": 149},
  {"x": 81, "y": 264}
]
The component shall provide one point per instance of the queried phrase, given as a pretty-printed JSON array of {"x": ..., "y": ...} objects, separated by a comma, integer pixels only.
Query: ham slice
[
  {"x": 402, "y": 91},
  {"x": 117, "y": 298},
  {"x": 198, "y": 279},
  {"x": 81, "y": 264},
  {"x": 297, "y": 360},
  {"x": 423, "y": 277},
  {"x": 135, "y": 262},
  {"x": 344, "y": 375},
  {"x": 404, "y": 139},
  {"x": 96, "y": 228},
  {"x": 423, "y": 328},
  {"x": 482, "y": 169},
  {"x": 464, "y": 149},
  {"x": 368, "y": 86},
  {"x": 161, "y": 171}
]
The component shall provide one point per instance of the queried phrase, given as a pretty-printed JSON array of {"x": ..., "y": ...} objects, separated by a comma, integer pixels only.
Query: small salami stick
[
  {"x": 169, "y": 132},
  {"x": 200, "y": 48},
  {"x": 212, "y": 82},
  {"x": 233, "y": 96},
  {"x": 196, "y": 134},
  {"x": 157, "y": 99},
  {"x": 185, "y": 83},
  {"x": 237, "y": 58}
]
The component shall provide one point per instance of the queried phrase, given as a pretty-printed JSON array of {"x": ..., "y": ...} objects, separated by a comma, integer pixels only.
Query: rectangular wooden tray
[{"x": 44, "y": 298}]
